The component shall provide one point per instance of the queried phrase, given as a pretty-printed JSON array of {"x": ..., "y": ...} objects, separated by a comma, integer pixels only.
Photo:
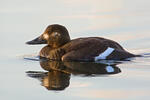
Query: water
[{"x": 124, "y": 21}]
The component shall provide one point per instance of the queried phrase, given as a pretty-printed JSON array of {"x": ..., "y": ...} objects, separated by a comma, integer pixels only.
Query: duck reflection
[{"x": 58, "y": 73}]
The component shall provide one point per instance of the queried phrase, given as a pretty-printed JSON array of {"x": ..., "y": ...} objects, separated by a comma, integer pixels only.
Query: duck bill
[{"x": 35, "y": 41}]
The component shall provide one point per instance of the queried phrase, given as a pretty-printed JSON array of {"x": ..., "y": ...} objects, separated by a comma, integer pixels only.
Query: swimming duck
[{"x": 61, "y": 47}]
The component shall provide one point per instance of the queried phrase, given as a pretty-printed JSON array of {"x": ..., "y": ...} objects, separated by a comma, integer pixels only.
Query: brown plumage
[{"x": 60, "y": 47}]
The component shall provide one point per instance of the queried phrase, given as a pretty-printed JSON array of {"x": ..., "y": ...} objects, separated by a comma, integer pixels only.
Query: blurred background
[
  {"x": 125, "y": 21},
  {"x": 120, "y": 20}
]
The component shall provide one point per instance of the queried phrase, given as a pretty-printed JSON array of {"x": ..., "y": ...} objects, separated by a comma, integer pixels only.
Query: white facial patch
[
  {"x": 105, "y": 54},
  {"x": 46, "y": 36}
]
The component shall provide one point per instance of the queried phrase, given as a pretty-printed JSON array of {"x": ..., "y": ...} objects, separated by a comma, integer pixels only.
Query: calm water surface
[{"x": 125, "y": 21}]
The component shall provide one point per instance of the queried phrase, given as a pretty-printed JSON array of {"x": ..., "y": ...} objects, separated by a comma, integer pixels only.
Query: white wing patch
[{"x": 105, "y": 54}]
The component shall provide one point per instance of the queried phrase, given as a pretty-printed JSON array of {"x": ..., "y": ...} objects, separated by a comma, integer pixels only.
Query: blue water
[{"x": 124, "y": 21}]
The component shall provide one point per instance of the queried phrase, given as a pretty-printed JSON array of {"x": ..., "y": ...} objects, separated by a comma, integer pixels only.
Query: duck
[{"x": 61, "y": 47}]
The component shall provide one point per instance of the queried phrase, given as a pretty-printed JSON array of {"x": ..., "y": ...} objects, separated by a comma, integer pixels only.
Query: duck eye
[
  {"x": 55, "y": 34},
  {"x": 45, "y": 36}
]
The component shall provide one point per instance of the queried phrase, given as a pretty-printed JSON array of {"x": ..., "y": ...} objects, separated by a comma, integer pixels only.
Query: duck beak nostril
[{"x": 35, "y": 41}]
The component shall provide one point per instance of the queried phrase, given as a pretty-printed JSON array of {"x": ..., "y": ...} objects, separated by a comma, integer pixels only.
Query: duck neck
[{"x": 59, "y": 44}]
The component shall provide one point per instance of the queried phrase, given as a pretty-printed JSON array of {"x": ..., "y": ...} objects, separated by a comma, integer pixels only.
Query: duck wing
[{"x": 86, "y": 49}]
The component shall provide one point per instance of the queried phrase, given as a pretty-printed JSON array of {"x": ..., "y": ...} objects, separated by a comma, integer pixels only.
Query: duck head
[{"x": 55, "y": 36}]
